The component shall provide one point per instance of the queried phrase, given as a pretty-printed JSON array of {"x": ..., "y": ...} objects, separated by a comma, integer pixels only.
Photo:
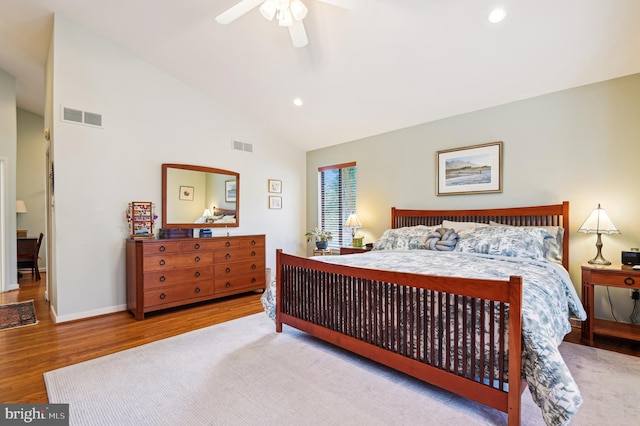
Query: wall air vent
[
  {"x": 77, "y": 116},
  {"x": 242, "y": 146}
]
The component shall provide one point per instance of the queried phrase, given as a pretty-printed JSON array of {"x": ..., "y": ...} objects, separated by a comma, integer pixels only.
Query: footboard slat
[{"x": 455, "y": 333}]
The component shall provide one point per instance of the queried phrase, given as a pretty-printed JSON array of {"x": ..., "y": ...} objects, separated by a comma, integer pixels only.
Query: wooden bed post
[
  {"x": 278, "y": 290},
  {"x": 514, "y": 397}
]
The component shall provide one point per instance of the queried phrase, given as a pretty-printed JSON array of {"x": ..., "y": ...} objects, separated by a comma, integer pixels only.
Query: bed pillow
[
  {"x": 406, "y": 238},
  {"x": 504, "y": 241},
  {"x": 461, "y": 226},
  {"x": 552, "y": 246}
]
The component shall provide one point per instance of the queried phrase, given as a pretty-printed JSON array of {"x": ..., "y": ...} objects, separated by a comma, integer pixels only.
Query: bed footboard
[{"x": 460, "y": 334}]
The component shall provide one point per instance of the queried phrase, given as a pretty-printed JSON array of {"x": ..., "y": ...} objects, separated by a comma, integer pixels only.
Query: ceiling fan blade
[
  {"x": 345, "y": 4},
  {"x": 298, "y": 34},
  {"x": 237, "y": 11}
]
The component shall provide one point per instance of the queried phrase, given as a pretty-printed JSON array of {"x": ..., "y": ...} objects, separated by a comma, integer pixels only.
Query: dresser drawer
[
  {"x": 223, "y": 256},
  {"x": 177, "y": 293},
  {"x": 240, "y": 283},
  {"x": 176, "y": 276},
  {"x": 616, "y": 279},
  {"x": 161, "y": 248},
  {"x": 173, "y": 261},
  {"x": 239, "y": 268}
]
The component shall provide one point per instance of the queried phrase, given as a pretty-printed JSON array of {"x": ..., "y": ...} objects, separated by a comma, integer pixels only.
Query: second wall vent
[
  {"x": 242, "y": 146},
  {"x": 81, "y": 117}
]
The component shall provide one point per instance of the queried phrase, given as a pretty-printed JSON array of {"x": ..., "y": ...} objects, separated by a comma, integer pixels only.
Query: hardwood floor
[{"x": 28, "y": 352}]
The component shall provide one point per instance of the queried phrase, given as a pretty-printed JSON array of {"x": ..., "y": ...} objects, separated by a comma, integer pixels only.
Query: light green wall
[
  {"x": 581, "y": 145},
  {"x": 31, "y": 176},
  {"x": 8, "y": 138}
]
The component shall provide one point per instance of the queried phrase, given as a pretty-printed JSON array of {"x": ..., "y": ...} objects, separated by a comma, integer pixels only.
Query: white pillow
[{"x": 406, "y": 238}]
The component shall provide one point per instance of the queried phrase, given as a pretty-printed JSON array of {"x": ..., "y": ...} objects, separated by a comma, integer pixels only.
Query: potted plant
[{"x": 321, "y": 236}]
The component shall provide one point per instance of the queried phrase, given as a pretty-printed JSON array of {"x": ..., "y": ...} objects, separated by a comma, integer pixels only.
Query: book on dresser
[{"x": 167, "y": 273}]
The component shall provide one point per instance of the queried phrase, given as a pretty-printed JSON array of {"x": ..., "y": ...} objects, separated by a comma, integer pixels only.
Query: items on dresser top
[{"x": 167, "y": 273}]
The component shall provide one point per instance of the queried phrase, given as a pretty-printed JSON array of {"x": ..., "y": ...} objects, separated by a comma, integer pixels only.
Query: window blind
[{"x": 337, "y": 200}]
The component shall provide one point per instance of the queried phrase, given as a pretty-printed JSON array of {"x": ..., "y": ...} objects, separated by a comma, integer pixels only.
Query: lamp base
[{"x": 601, "y": 261}]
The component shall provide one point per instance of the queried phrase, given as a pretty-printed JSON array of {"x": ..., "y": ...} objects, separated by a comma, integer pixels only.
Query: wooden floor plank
[{"x": 28, "y": 352}]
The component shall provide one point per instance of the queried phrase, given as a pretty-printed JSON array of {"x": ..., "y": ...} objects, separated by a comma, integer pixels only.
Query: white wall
[
  {"x": 8, "y": 140},
  {"x": 581, "y": 145},
  {"x": 149, "y": 118}
]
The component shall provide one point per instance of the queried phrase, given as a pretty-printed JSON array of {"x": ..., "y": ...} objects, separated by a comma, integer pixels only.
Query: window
[{"x": 337, "y": 200}]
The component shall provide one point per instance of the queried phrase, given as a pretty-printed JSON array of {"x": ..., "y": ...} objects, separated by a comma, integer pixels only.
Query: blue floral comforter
[{"x": 549, "y": 298}]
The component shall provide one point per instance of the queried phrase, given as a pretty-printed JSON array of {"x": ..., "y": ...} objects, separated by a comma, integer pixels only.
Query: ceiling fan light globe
[
  {"x": 298, "y": 9},
  {"x": 268, "y": 10},
  {"x": 285, "y": 19},
  {"x": 281, "y": 5}
]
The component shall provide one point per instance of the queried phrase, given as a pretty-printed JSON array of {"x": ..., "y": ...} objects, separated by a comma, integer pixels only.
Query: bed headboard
[
  {"x": 224, "y": 212},
  {"x": 552, "y": 215}
]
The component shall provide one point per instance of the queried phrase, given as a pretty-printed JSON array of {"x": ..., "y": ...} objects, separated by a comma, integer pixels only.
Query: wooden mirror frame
[{"x": 166, "y": 196}]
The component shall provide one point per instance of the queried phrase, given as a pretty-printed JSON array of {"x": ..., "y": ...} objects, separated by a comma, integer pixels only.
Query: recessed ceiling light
[
  {"x": 497, "y": 15},
  {"x": 297, "y": 102}
]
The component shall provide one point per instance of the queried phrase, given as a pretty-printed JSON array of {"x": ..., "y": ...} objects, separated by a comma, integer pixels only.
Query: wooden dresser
[{"x": 166, "y": 273}]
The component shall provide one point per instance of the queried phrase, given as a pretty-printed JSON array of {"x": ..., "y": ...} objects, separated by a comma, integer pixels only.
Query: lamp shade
[
  {"x": 353, "y": 221},
  {"x": 598, "y": 222},
  {"x": 21, "y": 207}
]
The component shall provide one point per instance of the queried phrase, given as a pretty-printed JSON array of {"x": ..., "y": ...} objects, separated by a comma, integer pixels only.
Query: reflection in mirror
[{"x": 199, "y": 197}]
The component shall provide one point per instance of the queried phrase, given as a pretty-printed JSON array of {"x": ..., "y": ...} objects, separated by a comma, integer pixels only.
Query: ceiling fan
[{"x": 290, "y": 14}]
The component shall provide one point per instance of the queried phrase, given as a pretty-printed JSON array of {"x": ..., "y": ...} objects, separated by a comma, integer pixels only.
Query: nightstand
[
  {"x": 325, "y": 252},
  {"x": 353, "y": 250},
  {"x": 611, "y": 276}
]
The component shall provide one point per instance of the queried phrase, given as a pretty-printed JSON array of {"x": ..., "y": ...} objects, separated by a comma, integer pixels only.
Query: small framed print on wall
[
  {"x": 186, "y": 193},
  {"x": 275, "y": 186},
  {"x": 275, "y": 202},
  {"x": 473, "y": 169}
]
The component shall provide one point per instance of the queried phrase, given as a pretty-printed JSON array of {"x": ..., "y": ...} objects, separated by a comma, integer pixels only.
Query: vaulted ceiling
[{"x": 384, "y": 65}]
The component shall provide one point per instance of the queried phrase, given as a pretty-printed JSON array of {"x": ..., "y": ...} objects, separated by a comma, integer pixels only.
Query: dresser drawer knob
[
  {"x": 162, "y": 248},
  {"x": 253, "y": 253},
  {"x": 228, "y": 256},
  {"x": 228, "y": 284},
  {"x": 163, "y": 279},
  {"x": 162, "y": 262},
  {"x": 163, "y": 296},
  {"x": 253, "y": 242},
  {"x": 197, "y": 273},
  {"x": 197, "y": 289},
  {"x": 629, "y": 281},
  {"x": 228, "y": 244},
  {"x": 197, "y": 246},
  {"x": 228, "y": 270},
  {"x": 197, "y": 259},
  {"x": 253, "y": 266},
  {"x": 253, "y": 280}
]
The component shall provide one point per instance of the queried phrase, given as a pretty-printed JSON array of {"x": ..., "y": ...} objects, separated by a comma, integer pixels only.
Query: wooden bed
[{"x": 342, "y": 305}]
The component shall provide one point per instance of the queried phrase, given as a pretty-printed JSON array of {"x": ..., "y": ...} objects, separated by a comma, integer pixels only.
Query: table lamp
[
  {"x": 599, "y": 223},
  {"x": 353, "y": 222}
]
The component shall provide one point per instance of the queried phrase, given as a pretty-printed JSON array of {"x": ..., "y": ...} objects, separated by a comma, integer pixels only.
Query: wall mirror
[{"x": 199, "y": 197}]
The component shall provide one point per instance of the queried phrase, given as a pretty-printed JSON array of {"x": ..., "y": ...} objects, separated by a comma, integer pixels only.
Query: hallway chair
[{"x": 28, "y": 257}]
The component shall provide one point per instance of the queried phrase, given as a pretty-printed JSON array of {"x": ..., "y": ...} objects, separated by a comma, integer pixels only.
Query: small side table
[
  {"x": 353, "y": 250},
  {"x": 611, "y": 276},
  {"x": 325, "y": 252}
]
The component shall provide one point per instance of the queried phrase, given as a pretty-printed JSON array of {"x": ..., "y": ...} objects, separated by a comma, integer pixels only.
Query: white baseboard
[{"x": 57, "y": 319}]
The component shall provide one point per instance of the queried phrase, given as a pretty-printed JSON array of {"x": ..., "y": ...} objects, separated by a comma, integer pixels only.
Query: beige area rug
[
  {"x": 19, "y": 314},
  {"x": 244, "y": 373}
]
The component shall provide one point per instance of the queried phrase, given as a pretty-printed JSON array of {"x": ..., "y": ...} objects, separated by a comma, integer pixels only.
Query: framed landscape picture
[
  {"x": 473, "y": 169},
  {"x": 230, "y": 191}
]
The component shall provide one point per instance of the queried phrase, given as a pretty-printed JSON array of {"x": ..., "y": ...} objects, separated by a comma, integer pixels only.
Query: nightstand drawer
[{"x": 616, "y": 279}]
